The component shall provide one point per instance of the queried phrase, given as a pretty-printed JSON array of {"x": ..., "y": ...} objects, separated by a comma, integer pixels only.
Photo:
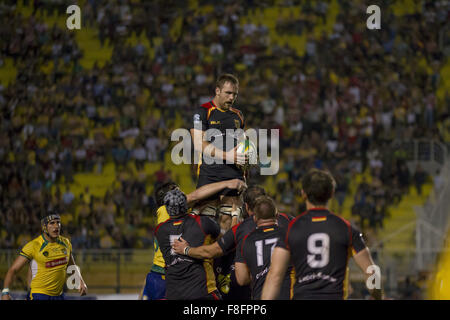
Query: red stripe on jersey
[
  {"x": 290, "y": 226},
  {"x": 238, "y": 113},
  {"x": 159, "y": 225},
  {"x": 199, "y": 221},
  {"x": 242, "y": 247},
  {"x": 284, "y": 215},
  {"x": 55, "y": 263},
  {"x": 208, "y": 105},
  {"x": 234, "y": 232}
]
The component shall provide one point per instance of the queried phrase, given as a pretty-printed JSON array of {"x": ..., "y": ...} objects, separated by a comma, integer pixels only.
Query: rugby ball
[{"x": 249, "y": 148}]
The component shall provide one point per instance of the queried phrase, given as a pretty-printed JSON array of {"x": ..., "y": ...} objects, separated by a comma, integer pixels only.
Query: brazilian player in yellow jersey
[
  {"x": 49, "y": 256},
  {"x": 154, "y": 287}
]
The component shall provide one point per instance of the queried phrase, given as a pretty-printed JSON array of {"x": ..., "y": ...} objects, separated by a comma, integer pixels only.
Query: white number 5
[{"x": 319, "y": 249}]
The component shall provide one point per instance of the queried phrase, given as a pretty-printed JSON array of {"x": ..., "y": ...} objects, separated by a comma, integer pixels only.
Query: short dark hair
[
  {"x": 226, "y": 77},
  {"x": 265, "y": 208},
  {"x": 251, "y": 194},
  {"x": 319, "y": 186},
  {"x": 162, "y": 190}
]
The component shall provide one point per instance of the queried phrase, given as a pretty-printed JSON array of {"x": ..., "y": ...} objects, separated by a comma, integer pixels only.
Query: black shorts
[{"x": 204, "y": 180}]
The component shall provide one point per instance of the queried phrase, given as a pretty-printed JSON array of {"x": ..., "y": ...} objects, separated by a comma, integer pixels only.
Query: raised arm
[{"x": 213, "y": 188}]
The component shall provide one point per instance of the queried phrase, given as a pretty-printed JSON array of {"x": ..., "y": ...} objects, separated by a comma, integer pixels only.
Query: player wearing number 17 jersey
[
  {"x": 253, "y": 256},
  {"x": 319, "y": 244}
]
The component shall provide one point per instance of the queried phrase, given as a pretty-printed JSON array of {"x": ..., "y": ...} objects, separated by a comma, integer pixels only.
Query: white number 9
[{"x": 315, "y": 250}]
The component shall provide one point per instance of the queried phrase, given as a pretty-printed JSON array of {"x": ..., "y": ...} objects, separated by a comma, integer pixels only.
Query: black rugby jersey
[
  {"x": 320, "y": 244},
  {"x": 209, "y": 116},
  {"x": 256, "y": 252},
  {"x": 187, "y": 278},
  {"x": 232, "y": 238}
]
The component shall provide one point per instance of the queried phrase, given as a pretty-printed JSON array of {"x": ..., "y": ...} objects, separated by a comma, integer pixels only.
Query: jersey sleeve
[
  {"x": 283, "y": 239},
  {"x": 227, "y": 242},
  {"x": 358, "y": 243},
  {"x": 199, "y": 119},
  {"x": 28, "y": 250},
  {"x": 240, "y": 251},
  {"x": 210, "y": 226}
]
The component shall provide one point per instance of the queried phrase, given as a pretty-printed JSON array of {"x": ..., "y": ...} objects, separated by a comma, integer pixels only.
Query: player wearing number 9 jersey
[{"x": 319, "y": 244}]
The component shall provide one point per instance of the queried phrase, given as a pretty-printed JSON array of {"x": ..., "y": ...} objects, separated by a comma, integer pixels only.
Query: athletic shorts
[
  {"x": 41, "y": 296},
  {"x": 155, "y": 286}
]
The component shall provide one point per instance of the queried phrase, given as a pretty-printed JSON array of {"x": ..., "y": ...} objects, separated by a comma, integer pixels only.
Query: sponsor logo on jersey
[
  {"x": 319, "y": 219},
  {"x": 269, "y": 229},
  {"x": 215, "y": 122},
  {"x": 55, "y": 263},
  {"x": 45, "y": 253},
  {"x": 177, "y": 223}
]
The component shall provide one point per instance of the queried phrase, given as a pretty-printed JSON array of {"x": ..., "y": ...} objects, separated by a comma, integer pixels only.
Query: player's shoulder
[
  {"x": 237, "y": 111},
  {"x": 247, "y": 225},
  {"x": 162, "y": 214},
  {"x": 207, "y": 105},
  {"x": 162, "y": 225},
  {"x": 285, "y": 216},
  {"x": 339, "y": 219},
  {"x": 35, "y": 243},
  {"x": 65, "y": 241}
]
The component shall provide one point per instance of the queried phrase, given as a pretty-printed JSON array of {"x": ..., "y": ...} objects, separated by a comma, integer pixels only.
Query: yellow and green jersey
[
  {"x": 49, "y": 262},
  {"x": 158, "y": 259}
]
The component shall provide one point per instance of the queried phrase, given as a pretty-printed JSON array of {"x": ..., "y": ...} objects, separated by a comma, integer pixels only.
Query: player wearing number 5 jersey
[
  {"x": 254, "y": 255},
  {"x": 186, "y": 278},
  {"x": 319, "y": 244}
]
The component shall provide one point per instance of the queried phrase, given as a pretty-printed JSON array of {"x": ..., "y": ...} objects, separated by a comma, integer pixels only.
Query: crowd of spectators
[{"x": 339, "y": 106}]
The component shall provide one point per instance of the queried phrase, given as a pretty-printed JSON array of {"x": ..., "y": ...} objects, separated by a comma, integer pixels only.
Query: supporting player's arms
[
  {"x": 13, "y": 270},
  {"x": 364, "y": 260},
  {"x": 203, "y": 252},
  {"x": 83, "y": 287},
  {"x": 243, "y": 276},
  {"x": 278, "y": 267},
  {"x": 212, "y": 188},
  {"x": 205, "y": 147}
]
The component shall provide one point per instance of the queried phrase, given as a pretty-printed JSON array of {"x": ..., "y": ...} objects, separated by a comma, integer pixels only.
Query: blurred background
[{"x": 87, "y": 117}]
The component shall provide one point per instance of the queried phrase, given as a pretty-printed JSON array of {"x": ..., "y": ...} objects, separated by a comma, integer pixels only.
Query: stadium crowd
[{"x": 339, "y": 106}]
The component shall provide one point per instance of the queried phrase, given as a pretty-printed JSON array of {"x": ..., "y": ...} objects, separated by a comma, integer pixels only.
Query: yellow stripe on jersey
[
  {"x": 292, "y": 283},
  {"x": 158, "y": 259},
  {"x": 209, "y": 270},
  {"x": 50, "y": 260},
  {"x": 319, "y": 219},
  {"x": 177, "y": 223},
  {"x": 270, "y": 229}
]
